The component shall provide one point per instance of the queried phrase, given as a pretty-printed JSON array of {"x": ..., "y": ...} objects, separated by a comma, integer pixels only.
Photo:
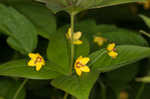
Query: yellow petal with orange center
[
  {"x": 111, "y": 46},
  {"x": 85, "y": 69},
  {"x": 113, "y": 54}
]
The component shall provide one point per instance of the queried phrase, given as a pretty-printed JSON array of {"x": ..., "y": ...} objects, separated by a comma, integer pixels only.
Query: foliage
[{"x": 50, "y": 27}]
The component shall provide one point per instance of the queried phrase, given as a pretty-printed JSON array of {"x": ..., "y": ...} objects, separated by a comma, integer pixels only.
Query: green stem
[
  {"x": 103, "y": 90},
  {"x": 72, "y": 45},
  {"x": 66, "y": 95},
  {"x": 20, "y": 88},
  {"x": 145, "y": 33},
  {"x": 140, "y": 91}
]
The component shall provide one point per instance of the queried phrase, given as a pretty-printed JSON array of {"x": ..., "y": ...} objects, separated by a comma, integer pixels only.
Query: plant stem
[
  {"x": 103, "y": 90},
  {"x": 145, "y": 33},
  {"x": 140, "y": 91},
  {"x": 72, "y": 45},
  {"x": 66, "y": 95},
  {"x": 20, "y": 88}
]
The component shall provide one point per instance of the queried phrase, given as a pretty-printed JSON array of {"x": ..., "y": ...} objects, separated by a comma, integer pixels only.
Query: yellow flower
[
  {"x": 111, "y": 47},
  {"x": 76, "y": 37},
  {"x": 36, "y": 60},
  {"x": 113, "y": 54},
  {"x": 111, "y": 50},
  {"x": 80, "y": 65},
  {"x": 123, "y": 95},
  {"x": 99, "y": 40}
]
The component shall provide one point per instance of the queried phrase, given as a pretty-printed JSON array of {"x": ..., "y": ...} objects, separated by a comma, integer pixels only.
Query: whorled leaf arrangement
[{"x": 80, "y": 5}]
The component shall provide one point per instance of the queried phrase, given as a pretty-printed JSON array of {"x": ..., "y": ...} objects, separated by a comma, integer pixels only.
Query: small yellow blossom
[
  {"x": 80, "y": 65},
  {"x": 113, "y": 54},
  {"x": 123, "y": 95},
  {"x": 76, "y": 37},
  {"x": 111, "y": 50},
  {"x": 36, "y": 60},
  {"x": 111, "y": 47},
  {"x": 99, "y": 40},
  {"x": 146, "y": 4}
]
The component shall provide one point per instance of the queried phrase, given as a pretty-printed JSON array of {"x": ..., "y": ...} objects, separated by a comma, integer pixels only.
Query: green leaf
[
  {"x": 146, "y": 20},
  {"x": 127, "y": 54},
  {"x": 82, "y": 49},
  {"x": 56, "y": 5},
  {"x": 118, "y": 79},
  {"x": 8, "y": 89},
  {"x": 106, "y": 3},
  {"x": 77, "y": 86},
  {"x": 19, "y": 29},
  {"x": 112, "y": 33},
  {"x": 19, "y": 68},
  {"x": 58, "y": 51},
  {"x": 120, "y": 36},
  {"x": 79, "y": 5},
  {"x": 40, "y": 16}
]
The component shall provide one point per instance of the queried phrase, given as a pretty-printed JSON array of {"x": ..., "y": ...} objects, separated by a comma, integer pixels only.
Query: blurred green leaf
[
  {"x": 145, "y": 79},
  {"x": 40, "y": 16},
  {"x": 77, "y": 86},
  {"x": 146, "y": 20},
  {"x": 19, "y": 68},
  {"x": 127, "y": 54},
  {"x": 8, "y": 89},
  {"x": 20, "y": 31},
  {"x": 118, "y": 79},
  {"x": 111, "y": 32},
  {"x": 120, "y": 36}
]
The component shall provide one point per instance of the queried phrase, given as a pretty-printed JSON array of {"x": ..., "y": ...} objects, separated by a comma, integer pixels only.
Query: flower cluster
[
  {"x": 76, "y": 37},
  {"x": 80, "y": 64},
  {"x": 112, "y": 50}
]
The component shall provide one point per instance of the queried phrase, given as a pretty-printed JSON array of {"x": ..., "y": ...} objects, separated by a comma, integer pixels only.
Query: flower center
[
  {"x": 114, "y": 49},
  {"x": 38, "y": 59},
  {"x": 78, "y": 65}
]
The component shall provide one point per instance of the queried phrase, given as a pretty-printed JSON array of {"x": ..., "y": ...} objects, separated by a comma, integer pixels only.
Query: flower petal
[
  {"x": 85, "y": 69},
  {"x": 113, "y": 54},
  {"x": 38, "y": 67},
  {"x": 31, "y": 63},
  {"x": 78, "y": 71},
  {"x": 111, "y": 46},
  {"x": 77, "y": 42},
  {"x": 32, "y": 55},
  {"x": 85, "y": 60},
  {"x": 68, "y": 34},
  {"x": 99, "y": 40},
  {"x": 77, "y": 35}
]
